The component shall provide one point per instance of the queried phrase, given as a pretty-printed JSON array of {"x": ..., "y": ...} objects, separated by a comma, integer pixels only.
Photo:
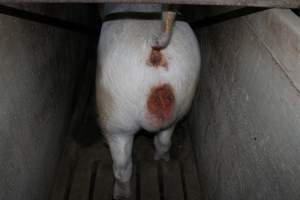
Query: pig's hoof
[
  {"x": 121, "y": 190},
  {"x": 162, "y": 156}
]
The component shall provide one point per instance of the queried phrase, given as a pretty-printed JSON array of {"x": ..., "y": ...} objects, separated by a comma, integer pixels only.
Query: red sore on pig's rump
[{"x": 161, "y": 101}]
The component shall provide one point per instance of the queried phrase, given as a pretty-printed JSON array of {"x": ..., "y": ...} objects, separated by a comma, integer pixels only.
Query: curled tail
[{"x": 168, "y": 18}]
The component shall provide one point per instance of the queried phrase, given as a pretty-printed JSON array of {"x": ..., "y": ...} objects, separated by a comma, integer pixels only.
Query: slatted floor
[{"x": 85, "y": 172}]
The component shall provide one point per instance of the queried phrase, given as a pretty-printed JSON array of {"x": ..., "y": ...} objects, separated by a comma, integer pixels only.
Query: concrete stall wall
[
  {"x": 245, "y": 120},
  {"x": 39, "y": 66}
]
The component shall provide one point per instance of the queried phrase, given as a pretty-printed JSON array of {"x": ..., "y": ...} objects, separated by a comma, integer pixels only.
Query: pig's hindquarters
[{"x": 138, "y": 88}]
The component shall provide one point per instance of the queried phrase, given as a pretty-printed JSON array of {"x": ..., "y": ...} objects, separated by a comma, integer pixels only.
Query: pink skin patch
[{"x": 161, "y": 101}]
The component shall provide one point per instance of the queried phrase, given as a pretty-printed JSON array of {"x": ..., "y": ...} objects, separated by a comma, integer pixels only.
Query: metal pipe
[{"x": 252, "y": 3}]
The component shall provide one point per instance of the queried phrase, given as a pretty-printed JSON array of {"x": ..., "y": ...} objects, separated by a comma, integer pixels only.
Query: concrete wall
[
  {"x": 39, "y": 66},
  {"x": 245, "y": 120}
]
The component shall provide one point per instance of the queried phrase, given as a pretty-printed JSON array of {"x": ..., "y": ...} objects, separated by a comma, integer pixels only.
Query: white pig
[{"x": 141, "y": 87}]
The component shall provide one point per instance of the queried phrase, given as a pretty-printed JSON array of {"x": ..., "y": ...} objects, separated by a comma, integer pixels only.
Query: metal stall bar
[
  {"x": 215, "y": 19},
  {"x": 77, "y": 27},
  {"x": 241, "y": 3},
  {"x": 52, "y": 21}
]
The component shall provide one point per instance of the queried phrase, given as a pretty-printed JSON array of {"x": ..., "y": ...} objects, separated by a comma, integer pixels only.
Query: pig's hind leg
[
  {"x": 162, "y": 143},
  {"x": 120, "y": 145}
]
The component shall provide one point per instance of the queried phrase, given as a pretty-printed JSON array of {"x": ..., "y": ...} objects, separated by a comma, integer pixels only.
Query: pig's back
[{"x": 141, "y": 87}]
